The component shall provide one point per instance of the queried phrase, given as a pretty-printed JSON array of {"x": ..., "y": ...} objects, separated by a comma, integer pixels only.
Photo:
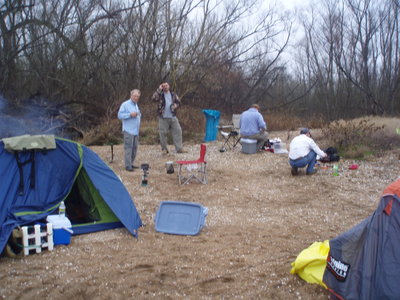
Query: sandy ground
[{"x": 260, "y": 218}]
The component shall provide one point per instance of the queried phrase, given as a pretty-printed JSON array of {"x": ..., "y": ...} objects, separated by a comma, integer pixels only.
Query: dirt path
[{"x": 260, "y": 218}]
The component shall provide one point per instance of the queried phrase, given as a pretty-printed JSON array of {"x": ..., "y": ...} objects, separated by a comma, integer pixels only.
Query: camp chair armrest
[{"x": 225, "y": 134}]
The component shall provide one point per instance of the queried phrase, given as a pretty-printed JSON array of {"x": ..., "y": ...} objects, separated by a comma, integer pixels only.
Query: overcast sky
[{"x": 289, "y": 4}]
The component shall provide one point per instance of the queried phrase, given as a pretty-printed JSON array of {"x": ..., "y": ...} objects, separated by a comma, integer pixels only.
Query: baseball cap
[{"x": 304, "y": 131}]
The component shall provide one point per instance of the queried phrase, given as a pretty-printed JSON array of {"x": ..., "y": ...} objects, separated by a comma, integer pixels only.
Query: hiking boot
[
  {"x": 129, "y": 169},
  {"x": 294, "y": 171},
  {"x": 135, "y": 167},
  {"x": 312, "y": 172},
  {"x": 181, "y": 151}
]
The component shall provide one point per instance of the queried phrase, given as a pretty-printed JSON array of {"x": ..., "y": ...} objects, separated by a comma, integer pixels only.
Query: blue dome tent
[{"x": 36, "y": 177}]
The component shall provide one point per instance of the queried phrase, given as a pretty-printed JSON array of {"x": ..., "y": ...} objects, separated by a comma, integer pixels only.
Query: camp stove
[{"x": 145, "y": 168}]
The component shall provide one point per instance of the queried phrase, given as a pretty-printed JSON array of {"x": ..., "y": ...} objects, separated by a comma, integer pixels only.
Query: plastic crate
[{"x": 182, "y": 218}]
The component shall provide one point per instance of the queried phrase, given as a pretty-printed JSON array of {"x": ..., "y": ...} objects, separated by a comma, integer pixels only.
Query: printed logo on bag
[{"x": 338, "y": 268}]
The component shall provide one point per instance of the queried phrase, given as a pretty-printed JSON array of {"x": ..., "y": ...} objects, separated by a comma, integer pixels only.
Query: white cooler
[{"x": 61, "y": 229}]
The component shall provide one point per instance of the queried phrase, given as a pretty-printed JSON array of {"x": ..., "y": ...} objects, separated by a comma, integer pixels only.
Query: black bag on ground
[
  {"x": 331, "y": 155},
  {"x": 266, "y": 145}
]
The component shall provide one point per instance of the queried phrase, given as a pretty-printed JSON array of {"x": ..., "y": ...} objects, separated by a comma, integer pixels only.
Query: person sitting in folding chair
[{"x": 253, "y": 126}]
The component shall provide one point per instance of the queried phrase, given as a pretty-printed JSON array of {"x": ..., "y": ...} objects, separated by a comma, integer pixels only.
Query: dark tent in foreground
[
  {"x": 364, "y": 262},
  {"x": 38, "y": 172}
]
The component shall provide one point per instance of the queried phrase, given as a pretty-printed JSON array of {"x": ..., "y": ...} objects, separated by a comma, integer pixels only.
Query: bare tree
[
  {"x": 87, "y": 54},
  {"x": 350, "y": 50},
  {"x": 14, "y": 17}
]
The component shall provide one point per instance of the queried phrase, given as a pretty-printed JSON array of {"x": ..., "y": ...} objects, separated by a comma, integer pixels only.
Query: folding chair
[
  {"x": 193, "y": 169},
  {"x": 232, "y": 138}
]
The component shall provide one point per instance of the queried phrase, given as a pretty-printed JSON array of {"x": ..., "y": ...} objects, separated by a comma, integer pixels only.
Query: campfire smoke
[{"x": 34, "y": 116}]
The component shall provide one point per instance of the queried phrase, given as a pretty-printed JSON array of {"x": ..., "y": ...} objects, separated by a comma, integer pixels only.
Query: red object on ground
[{"x": 353, "y": 167}]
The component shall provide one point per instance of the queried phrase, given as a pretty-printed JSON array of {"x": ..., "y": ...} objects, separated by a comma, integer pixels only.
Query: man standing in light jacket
[
  {"x": 252, "y": 126},
  {"x": 129, "y": 113},
  {"x": 303, "y": 152}
]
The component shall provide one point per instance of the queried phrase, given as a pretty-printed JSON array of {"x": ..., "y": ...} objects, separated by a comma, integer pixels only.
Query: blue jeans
[{"x": 310, "y": 159}]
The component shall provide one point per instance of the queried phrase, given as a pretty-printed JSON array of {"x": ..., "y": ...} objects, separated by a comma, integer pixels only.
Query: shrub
[
  {"x": 193, "y": 123},
  {"x": 192, "y": 119},
  {"x": 108, "y": 132},
  {"x": 148, "y": 134},
  {"x": 356, "y": 138}
]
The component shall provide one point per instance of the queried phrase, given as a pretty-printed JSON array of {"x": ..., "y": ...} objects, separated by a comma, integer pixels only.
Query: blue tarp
[
  {"x": 54, "y": 174},
  {"x": 212, "y": 121}
]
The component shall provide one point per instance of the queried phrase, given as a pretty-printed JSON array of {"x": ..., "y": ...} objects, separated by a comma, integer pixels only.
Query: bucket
[{"x": 169, "y": 166}]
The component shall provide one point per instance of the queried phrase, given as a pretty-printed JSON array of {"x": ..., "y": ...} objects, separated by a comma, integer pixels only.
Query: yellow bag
[{"x": 310, "y": 264}]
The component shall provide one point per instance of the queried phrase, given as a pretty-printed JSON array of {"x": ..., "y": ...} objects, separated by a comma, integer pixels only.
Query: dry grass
[
  {"x": 149, "y": 133},
  {"x": 388, "y": 137},
  {"x": 358, "y": 138},
  {"x": 108, "y": 132},
  {"x": 362, "y": 137},
  {"x": 191, "y": 120},
  {"x": 390, "y": 124},
  {"x": 193, "y": 123},
  {"x": 286, "y": 121}
]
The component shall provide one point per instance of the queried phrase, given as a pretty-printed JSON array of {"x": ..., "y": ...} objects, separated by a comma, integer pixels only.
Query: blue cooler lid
[{"x": 182, "y": 218}]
